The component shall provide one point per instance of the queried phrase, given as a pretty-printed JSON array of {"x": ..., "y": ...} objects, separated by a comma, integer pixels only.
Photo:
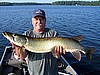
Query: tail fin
[{"x": 89, "y": 51}]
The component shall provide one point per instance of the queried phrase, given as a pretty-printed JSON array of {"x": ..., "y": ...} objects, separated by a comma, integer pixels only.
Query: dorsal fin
[{"x": 78, "y": 38}]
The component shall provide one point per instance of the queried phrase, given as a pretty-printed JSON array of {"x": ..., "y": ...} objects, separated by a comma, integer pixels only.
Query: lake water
[{"x": 67, "y": 20}]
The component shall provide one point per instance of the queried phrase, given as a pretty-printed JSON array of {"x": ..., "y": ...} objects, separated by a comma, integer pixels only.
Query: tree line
[
  {"x": 26, "y": 3},
  {"x": 90, "y": 3}
]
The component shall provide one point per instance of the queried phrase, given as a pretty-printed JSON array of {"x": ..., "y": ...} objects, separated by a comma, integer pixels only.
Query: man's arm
[{"x": 20, "y": 51}]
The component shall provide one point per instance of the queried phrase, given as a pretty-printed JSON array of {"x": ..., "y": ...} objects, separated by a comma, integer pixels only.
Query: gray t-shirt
[{"x": 42, "y": 63}]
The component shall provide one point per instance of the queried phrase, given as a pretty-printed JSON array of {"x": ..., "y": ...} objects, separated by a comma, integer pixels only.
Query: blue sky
[{"x": 41, "y": 1}]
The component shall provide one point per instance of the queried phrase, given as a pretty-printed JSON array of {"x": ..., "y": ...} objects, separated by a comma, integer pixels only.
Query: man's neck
[{"x": 39, "y": 31}]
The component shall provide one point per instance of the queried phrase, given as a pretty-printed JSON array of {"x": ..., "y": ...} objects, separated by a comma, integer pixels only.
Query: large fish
[{"x": 43, "y": 45}]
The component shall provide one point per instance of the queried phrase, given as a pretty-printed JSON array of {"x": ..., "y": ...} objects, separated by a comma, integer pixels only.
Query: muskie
[{"x": 43, "y": 45}]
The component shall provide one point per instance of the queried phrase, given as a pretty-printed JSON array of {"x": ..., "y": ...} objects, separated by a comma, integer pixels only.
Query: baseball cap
[{"x": 39, "y": 12}]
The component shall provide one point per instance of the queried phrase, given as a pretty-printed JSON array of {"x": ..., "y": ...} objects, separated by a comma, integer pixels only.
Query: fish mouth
[
  {"x": 8, "y": 35},
  {"x": 4, "y": 33}
]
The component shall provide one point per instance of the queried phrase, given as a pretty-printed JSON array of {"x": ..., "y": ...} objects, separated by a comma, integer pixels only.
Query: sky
[{"x": 41, "y": 1}]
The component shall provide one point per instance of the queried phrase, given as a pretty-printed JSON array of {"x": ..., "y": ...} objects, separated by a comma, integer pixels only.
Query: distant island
[
  {"x": 83, "y": 3},
  {"x": 25, "y": 3}
]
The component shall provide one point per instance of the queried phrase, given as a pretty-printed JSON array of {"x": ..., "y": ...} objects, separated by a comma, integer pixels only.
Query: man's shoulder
[{"x": 48, "y": 31}]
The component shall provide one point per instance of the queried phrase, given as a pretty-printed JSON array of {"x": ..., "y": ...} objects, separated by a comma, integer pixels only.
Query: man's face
[{"x": 38, "y": 23}]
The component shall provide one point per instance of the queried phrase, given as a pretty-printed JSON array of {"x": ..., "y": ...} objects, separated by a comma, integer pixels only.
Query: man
[{"x": 41, "y": 63}]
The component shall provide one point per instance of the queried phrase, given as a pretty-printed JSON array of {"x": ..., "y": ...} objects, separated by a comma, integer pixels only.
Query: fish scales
[{"x": 47, "y": 44}]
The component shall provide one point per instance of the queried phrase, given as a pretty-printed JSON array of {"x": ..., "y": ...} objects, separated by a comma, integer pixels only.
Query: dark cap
[{"x": 39, "y": 12}]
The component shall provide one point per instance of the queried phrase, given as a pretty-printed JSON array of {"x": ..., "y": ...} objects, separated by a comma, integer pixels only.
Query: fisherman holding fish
[
  {"x": 40, "y": 63},
  {"x": 41, "y": 47}
]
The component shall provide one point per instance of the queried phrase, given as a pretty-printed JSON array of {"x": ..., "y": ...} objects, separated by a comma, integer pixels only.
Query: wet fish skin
[{"x": 43, "y": 45}]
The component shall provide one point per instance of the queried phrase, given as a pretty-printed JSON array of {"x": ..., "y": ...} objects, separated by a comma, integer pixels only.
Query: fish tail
[{"x": 89, "y": 51}]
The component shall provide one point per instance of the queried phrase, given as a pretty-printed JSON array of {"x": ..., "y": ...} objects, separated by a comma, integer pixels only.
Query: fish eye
[{"x": 14, "y": 34}]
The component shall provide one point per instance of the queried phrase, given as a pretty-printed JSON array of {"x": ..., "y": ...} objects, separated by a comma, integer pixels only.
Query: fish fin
[
  {"x": 89, "y": 51},
  {"x": 78, "y": 38},
  {"x": 77, "y": 55}
]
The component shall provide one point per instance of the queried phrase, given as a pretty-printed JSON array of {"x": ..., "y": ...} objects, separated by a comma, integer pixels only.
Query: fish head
[{"x": 15, "y": 38}]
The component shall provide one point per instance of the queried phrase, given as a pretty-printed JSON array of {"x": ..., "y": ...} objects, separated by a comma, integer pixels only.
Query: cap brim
[{"x": 38, "y": 15}]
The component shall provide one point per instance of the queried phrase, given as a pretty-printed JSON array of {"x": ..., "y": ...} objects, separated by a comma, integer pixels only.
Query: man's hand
[
  {"x": 17, "y": 48},
  {"x": 58, "y": 51},
  {"x": 20, "y": 51}
]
